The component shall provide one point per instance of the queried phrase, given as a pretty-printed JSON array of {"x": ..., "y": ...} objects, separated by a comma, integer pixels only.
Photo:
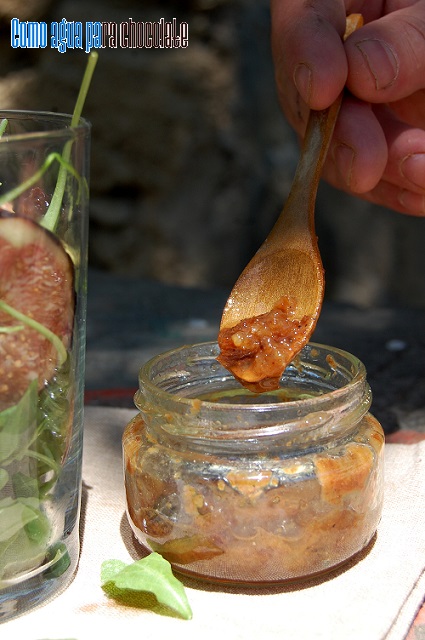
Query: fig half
[{"x": 36, "y": 304}]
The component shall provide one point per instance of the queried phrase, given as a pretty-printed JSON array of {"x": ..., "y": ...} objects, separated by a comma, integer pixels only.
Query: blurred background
[{"x": 192, "y": 159}]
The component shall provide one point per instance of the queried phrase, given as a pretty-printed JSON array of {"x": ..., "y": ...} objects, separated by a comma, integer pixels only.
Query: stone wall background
[{"x": 192, "y": 159}]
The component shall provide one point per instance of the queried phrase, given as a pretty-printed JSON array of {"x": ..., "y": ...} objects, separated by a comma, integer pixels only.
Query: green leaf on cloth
[{"x": 131, "y": 584}]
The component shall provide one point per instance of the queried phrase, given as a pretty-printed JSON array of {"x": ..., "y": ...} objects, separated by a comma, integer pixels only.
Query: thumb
[
  {"x": 308, "y": 52},
  {"x": 386, "y": 57}
]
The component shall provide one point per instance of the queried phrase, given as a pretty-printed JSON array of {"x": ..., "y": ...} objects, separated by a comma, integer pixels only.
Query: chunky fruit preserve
[
  {"x": 258, "y": 349},
  {"x": 234, "y": 486}
]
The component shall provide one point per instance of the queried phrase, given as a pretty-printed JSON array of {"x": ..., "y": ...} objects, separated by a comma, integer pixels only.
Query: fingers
[
  {"x": 392, "y": 197},
  {"x": 411, "y": 109},
  {"x": 386, "y": 57},
  {"x": 358, "y": 153},
  {"x": 310, "y": 62},
  {"x": 405, "y": 169},
  {"x": 378, "y": 148},
  {"x": 377, "y": 156},
  {"x": 386, "y": 61}
]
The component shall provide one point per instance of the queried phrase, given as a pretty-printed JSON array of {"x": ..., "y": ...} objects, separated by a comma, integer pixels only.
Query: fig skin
[{"x": 36, "y": 279}]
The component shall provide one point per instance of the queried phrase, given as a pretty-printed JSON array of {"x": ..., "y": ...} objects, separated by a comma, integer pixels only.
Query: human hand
[{"x": 378, "y": 147}]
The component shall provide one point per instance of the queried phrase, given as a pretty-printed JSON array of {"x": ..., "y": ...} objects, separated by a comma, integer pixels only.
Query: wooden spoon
[{"x": 275, "y": 304}]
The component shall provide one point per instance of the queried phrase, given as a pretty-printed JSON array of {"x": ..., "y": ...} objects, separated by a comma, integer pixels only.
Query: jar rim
[
  {"x": 146, "y": 384},
  {"x": 335, "y": 386}
]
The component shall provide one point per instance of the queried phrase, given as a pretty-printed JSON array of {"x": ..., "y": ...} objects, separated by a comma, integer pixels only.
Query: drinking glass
[{"x": 44, "y": 172}]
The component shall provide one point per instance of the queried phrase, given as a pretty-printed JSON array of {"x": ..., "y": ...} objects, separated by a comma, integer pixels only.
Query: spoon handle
[
  {"x": 320, "y": 128},
  {"x": 296, "y": 220},
  {"x": 297, "y": 217}
]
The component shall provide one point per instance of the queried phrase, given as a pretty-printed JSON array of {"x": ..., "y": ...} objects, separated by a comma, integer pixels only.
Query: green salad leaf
[
  {"x": 150, "y": 575},
  {"x": 17, "y": 424},
  {"x": 13, "y": 516}
]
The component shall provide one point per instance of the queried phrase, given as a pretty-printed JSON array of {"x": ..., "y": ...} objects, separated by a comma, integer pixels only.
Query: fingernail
[
  {"x": 303, "y": 80},
  {"x": 344, "y": 157},
  {"x": 412, "y": 168},
  {"x": 381, "y": 60},
  {"x": 414, "y": 203}
]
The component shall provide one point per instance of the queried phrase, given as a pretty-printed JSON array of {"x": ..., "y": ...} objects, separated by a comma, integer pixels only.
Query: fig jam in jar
[{"x": 233, "y": 486}]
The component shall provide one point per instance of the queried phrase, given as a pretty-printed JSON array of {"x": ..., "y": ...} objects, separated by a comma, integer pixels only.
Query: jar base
[{"x": 309, "y": 579}]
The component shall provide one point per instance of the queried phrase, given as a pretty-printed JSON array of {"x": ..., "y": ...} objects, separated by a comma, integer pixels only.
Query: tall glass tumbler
[{"x": 44, "y": 172}]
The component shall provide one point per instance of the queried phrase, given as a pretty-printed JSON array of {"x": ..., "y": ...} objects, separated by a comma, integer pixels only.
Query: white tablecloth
[{"x": 376, "y": 598}]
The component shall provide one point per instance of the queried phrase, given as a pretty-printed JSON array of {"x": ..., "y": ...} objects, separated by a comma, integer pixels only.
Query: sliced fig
[
  {"x": 33, "y": 204},
  {"x": 36, "y": 280}
]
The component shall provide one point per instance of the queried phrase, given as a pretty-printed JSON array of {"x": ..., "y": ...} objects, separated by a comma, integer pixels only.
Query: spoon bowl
[{"x": 288, "y": 263}]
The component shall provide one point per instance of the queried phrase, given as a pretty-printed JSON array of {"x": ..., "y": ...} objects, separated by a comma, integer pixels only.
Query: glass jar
[{"x": 233, "y": 486}]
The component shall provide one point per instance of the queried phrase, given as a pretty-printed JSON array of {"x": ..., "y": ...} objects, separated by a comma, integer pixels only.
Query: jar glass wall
[{"x": 234, "y": 486}]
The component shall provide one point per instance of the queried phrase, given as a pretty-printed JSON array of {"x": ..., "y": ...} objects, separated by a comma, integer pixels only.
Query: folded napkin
[{"x": 377, "y": 597}]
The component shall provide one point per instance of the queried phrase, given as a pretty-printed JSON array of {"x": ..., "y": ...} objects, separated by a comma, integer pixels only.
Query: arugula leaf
[
  {"x": 37, "y": 326},
  {"x": 3, "y": 126},
  {"x": 38, "y": 529},
  {"x": 4, "y": 478},
  {"x": 15, "y": 422},
  {"x": 18, "y": 551},
  {"x": 153, "y": 575},
  {"x": 51, "y": 216},
  {"x": 59, "y": 558},
  {"x": 24, "y": 486},
  {"x": 13, "y": 516}
]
